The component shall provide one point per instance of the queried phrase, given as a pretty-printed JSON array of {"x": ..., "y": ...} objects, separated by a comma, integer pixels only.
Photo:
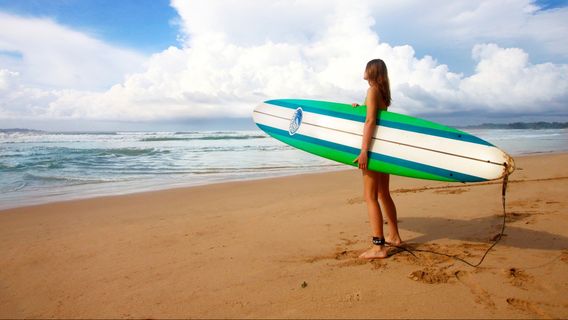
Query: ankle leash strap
[{"x": 379, "y": 241}]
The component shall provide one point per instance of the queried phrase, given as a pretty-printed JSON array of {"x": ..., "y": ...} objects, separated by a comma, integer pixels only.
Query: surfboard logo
[{"x": 296, "y": 121}]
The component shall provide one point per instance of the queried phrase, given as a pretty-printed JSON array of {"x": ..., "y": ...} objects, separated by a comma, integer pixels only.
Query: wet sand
[{"x": 287, "y": 247}]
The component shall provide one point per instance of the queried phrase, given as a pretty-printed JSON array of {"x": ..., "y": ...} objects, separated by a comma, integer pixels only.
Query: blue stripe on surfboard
[
  {"x": 332, "y": 113},
  {"x": 386, "y": 123},
  {"x": 377, "y": 156}
]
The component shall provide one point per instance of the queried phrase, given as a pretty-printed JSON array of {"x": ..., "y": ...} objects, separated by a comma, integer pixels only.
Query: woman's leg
[
  {"x": 383, "y": 194},
  {"x": 370, "y": 191}
]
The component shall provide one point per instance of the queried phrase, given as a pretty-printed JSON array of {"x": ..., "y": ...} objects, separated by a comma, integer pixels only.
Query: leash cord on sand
[{"x": 497, "y": 239}]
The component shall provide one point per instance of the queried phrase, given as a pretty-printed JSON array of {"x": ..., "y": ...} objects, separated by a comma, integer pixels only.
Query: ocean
[{"x": 39, "y": 167}]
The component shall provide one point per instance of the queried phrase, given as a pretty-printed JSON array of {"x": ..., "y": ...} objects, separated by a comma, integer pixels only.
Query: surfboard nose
[{"x": 255, "y": 112}]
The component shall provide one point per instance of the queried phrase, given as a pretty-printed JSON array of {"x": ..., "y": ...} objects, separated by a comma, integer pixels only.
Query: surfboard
[{"x": 401, "y": 144}]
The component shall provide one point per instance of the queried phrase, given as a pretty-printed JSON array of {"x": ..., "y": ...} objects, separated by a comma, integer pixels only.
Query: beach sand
[{"x": 287, "y": 247}]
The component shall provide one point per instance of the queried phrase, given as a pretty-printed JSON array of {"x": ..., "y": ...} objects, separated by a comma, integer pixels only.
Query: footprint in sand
[
  {"x": 481, "y": 295},
  {"x": 522, "y": 216},
  {"x": 430, "y": 276},
  {"x": 355, "y": 200},
  {"x": 564, "y": 256},
  {"x": 518, "y": 277},
  {"x": 527, "y": 306}
]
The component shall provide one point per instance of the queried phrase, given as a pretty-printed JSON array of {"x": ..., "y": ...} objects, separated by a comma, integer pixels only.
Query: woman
[{"x": 376, "y": 184}]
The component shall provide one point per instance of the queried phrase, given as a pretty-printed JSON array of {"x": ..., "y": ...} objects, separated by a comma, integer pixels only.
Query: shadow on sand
[{"x": 482, "y": 230}]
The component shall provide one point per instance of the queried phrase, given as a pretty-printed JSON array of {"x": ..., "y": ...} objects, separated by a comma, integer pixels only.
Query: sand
[{"x": 287, "y": 248}]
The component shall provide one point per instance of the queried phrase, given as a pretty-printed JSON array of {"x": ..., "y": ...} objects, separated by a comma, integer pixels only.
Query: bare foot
[
  {"x": 395, "y": 241},
  {"x": 375, "y": 252}
]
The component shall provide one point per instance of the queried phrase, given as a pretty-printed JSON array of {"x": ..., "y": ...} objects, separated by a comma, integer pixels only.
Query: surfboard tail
[{"x": 509, "y": 165}]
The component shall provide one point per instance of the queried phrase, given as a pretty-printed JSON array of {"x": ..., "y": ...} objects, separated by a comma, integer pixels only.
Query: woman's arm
[
  {"x": 371, "y": 119},
  {"x": 369, "y": 127}
]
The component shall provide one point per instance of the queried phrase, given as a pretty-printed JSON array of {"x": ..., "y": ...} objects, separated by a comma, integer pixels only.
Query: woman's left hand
[{"x": 362, "y": 160}]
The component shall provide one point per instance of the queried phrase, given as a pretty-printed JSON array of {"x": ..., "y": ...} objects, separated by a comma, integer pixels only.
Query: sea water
[{"x": 39, "y": 167}]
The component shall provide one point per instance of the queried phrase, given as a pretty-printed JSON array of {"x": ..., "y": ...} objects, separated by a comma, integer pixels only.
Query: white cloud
[
  {"x": 239, "y": 53},
  {"x": 49, "y": 55},
  {"x": 452, "y": 28},
  {"x": 6, "y": 79},
  {"x": 504, "y": 81},
  {"x": 253, "y": 22}
]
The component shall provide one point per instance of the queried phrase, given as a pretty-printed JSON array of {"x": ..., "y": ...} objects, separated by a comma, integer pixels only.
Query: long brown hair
[{"x": 377, "y": 74}]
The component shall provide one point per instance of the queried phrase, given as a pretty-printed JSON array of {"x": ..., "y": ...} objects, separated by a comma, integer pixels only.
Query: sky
[{"x": 186, "y": 65}]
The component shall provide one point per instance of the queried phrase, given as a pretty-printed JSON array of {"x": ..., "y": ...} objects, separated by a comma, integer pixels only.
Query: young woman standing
[{"x": 376, "y": 184}]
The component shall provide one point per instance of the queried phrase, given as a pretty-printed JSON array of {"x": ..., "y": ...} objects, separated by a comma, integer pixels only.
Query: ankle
[{"x": 379, "y": 241}]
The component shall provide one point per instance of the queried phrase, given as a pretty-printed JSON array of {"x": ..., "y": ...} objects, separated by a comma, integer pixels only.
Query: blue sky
[
  {"x": 144, "y": 63},
  {"x": 551, "y": 4},
  {"x": 145, "y": 25}
]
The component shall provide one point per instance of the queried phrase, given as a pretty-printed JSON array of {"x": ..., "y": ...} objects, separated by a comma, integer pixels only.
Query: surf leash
[{"x": 495, "y": 239}]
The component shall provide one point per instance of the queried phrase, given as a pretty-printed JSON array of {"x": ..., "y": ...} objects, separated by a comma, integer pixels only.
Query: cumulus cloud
[
  {"x": 452, "y": 29},
  {"x": 505, "y": 80},
  {"x": 6, "y": 79},
  {"x": 239, "y": 53},
  {"x": 49, "y": 55}
]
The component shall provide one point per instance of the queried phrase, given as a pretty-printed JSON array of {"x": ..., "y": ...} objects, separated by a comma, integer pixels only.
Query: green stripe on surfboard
[
  {"x": 361, "y": 111},
  {"x": 347, "y": 158}
]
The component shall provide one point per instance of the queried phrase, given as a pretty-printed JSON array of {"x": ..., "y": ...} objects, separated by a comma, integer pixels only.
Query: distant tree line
[
  {"x": 521, "y": 125},
  {"x": 19, "y": 130}
]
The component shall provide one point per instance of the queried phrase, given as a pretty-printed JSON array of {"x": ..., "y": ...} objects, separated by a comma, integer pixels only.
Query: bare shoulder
[
  {"x": 376, "y": 97},
  {"x": 374, "y": 91},
  {"x": 373, "y": 94}
]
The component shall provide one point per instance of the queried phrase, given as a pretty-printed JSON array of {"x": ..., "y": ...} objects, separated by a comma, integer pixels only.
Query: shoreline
[
  {"x": 287, "y": 247},
  {"x": 159, "y": 187},
  {"x": 171, "y": 185}
]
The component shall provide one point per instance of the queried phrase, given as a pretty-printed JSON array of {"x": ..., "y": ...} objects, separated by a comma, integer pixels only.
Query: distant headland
[
  {"x": 19, "y": 130},
  {"x": 520, "y": 125}
]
